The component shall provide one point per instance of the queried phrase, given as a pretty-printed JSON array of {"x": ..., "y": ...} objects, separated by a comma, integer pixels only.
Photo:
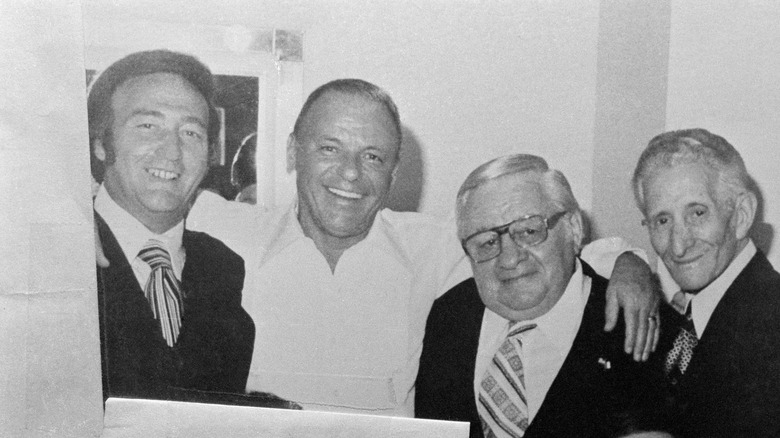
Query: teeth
[
  {"x": 164, "y": 174},
  {"x": 345, "y": 194}
]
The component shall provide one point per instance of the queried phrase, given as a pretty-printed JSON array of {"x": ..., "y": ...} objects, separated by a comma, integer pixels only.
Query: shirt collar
[
  {"x": 561, "y": 323},
  {"x": 288, "y": 231},
  {"x": 132, "y": 235},
  {"x": 707, "y": 299}
]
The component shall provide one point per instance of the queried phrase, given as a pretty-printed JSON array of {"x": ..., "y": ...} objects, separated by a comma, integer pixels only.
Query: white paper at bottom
[{"x": 157, "y": 418}]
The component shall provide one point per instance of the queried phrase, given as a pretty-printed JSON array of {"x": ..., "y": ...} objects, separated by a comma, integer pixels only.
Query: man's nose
[
  {"x": 349, "y": 167},
  {"x": 682, "y": 238},
  {"x": 171, "y": 146},
  {"x": 511, "y": 253}
]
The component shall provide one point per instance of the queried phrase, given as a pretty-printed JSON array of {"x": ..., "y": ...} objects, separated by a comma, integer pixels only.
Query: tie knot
[{"x": 155, "y": 254}]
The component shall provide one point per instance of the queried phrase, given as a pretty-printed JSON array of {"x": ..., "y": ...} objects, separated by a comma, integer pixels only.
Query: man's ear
[
  {"x": 744, "y": 214},
  {"x": 292, "y": 151},
  {"x": 394, "y": 173},
  {"x": 98, "y": 149},
  {"x": 576, "y": 228}
]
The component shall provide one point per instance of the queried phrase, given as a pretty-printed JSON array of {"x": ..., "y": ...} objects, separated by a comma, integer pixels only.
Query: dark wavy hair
[{"x": 101, "y": 115}]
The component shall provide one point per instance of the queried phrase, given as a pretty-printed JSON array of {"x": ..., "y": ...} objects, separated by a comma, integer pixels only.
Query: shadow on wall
[
  {"x": 407, "y": 189},
  {"x": 762, "y": 233},
  {"x": 587, "y": 227}
]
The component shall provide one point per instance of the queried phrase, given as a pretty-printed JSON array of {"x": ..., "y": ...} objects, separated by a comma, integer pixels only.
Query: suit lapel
[
  {"x": 135, "y": 355},
  {"x": 125, "y": 300},
  {"x": 718, "y": 339}
]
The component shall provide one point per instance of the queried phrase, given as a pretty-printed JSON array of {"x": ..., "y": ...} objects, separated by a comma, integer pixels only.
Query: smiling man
[
  {"x": 723, "y": 360},
  {"x": 345, "y": 152},
  {"x": 170, "y": 302},
  {"x": 519, "y": 349}
]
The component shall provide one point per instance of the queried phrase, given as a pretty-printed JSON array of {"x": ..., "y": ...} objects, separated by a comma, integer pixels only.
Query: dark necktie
[
  {"x": 162, "y": 290},
  {"x": 680, "y": 355},
  {"x": 502, "y": 402}
]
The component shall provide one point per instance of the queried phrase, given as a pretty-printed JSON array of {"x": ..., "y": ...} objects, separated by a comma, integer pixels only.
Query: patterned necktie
[
  {"x": 502, "y": 404},
  {"x": 680, "y": 355},
  {"x": 162, "y": 290}
]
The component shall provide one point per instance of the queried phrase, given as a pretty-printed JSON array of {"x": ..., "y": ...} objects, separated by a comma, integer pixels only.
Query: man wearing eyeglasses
[{"x": 519, "y": 349}]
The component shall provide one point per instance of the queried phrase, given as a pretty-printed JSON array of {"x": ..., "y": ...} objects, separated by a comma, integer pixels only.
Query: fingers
[
  {"x": 638, "y": 333},
  {"x": 611, "y": 312},
  {"x": 656, "y": 335},
  {"x": 657, "y": 331},
  {"x": 650, "y": 340},
  {"x": 632, "y": 325},
  {"x": 642, "y": 354}
]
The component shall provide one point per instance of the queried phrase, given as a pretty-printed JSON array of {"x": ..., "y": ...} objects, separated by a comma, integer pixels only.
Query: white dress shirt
[
  {"x": 545, "y": 347},
  {"x": 132, "y": 236},
  {"x": 348, "y": 340}
]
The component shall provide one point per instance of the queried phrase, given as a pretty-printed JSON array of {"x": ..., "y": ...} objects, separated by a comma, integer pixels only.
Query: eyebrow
[
  {"x": 331, "y": 139},
  {"x": 159, "y": 114}
]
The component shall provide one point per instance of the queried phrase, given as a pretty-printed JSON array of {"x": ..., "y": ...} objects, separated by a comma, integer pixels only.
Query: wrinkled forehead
[
  {"x": 503, "y": 200},
  {"x": 680, "y": 185},
  {"x": 337, "y": 108}
]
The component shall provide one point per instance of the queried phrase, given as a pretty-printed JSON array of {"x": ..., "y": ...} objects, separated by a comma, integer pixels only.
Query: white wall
[
  {"x": 724, "y": 76},
  {"x": 631, "y": 108},
  {"x": 49, "y": 349}
]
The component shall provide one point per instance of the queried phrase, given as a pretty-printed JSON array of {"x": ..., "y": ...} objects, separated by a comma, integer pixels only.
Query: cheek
[
  {"x": 483, "y": 274},
  {"x": 310, "y": 169},
  {"x": 196, "y": 160},
  {"x": 659, "y": 241},
  {"x": 380, "y": 179},
  {"x": 135, "y": 153}
]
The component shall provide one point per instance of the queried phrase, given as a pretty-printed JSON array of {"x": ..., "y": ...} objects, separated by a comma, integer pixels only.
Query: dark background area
[{"x": 238, "y": 95}]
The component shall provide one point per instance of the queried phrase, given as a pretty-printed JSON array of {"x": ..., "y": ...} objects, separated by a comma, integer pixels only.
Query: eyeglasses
[{"x": 525, "y": 231}]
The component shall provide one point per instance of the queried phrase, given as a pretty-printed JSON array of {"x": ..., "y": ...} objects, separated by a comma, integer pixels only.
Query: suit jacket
[
  {"x": 214, "y": 348},
  {"x": 732, "y": 385},
  {"x": 585, "y": 400}
]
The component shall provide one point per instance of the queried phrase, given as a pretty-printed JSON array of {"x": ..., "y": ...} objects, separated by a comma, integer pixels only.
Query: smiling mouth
[
  {"x": 345, "y": 194},
  {"x": 687, "y": 262},
  {"x": 162, "y": 174},
  {"x": 516, "y": 277}
]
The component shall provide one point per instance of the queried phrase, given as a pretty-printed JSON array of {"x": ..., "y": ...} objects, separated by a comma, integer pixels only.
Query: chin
[
  {"x": 689, "y": 283},
  {"x": 165, "y": 204}
]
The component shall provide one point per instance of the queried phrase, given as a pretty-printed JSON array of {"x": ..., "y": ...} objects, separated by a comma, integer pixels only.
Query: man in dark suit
[
  {"x": 723, "y": 360},
  {"x": 171, "y": 320},
  {"x": 519, "y": 349}
]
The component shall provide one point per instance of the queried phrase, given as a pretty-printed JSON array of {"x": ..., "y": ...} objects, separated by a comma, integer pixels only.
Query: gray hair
[
  {"x": 555, "y": 185},
  {"x": 353, "y": 87},
  {"x": 693, "y": 146}
]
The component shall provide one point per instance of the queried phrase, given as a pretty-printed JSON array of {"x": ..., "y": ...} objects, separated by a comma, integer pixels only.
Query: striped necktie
[
  {"x": 162, "y": 290},
  {"x": 502, "y": 404},
  {"x": 680, "y": 355}
]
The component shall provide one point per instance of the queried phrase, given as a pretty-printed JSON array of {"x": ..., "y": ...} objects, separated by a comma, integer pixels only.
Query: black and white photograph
[{"x": 424, "y": 218}]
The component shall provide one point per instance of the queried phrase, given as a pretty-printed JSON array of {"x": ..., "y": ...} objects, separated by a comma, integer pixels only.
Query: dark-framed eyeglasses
[{"x": 525, "y": 231}]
